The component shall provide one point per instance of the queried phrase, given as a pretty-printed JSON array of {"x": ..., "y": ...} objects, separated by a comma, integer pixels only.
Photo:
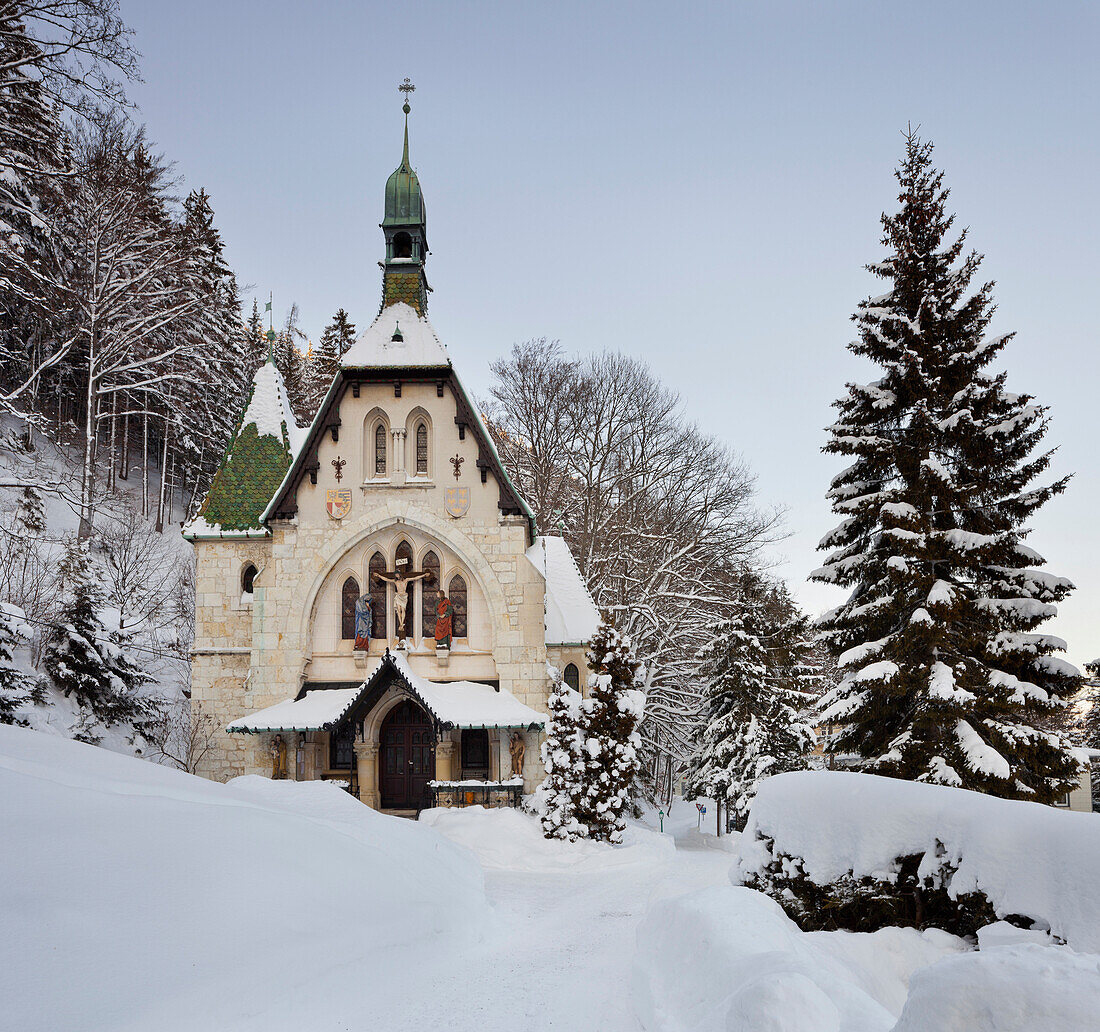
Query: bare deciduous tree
[{"x": 662, "y": 519}]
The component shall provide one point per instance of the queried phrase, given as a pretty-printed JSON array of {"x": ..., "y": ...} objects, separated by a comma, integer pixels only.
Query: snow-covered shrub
[{"x": 857, "y": 851}]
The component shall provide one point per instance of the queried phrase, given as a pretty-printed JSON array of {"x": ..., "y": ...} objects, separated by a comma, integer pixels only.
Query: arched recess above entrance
[
  {"x": 449, "y": 538},
  {"x": 391, "y": 699}
]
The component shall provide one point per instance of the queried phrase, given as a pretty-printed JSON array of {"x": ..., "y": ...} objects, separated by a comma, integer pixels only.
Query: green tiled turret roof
[{"x": 255, "y": 462}]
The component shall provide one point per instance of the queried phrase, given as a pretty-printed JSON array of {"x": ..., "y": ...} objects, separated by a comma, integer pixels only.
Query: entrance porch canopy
[{"x": 465, "y": 705}]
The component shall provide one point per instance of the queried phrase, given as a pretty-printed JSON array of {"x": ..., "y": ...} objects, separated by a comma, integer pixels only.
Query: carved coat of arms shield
[
  {"x": 458, "y": 501},
  {"x": 338, "y": 502}
]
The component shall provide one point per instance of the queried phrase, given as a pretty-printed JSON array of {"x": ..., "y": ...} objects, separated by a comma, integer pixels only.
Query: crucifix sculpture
[{"x": 401, "y": 579}]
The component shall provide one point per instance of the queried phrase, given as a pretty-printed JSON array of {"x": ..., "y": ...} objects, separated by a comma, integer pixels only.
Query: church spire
[{"x": 406, "y": 231}]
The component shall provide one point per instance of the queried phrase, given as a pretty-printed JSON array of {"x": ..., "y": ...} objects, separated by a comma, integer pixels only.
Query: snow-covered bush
[{"x": 857, "y": 851}]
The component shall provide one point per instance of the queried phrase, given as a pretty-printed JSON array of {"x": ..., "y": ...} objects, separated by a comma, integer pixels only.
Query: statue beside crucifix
[{"x": 401, "y": 579}]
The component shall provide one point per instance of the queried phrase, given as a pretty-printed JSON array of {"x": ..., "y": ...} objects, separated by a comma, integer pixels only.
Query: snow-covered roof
[
  {"x": 571, "y": 616},
  {"x": 454, "y": 704},
  {"x": 466, "y": 704},
  {"x": 317, "y": 710},
  {"x": 418, "y": 347},
  {"x": 269, "y": 408}
]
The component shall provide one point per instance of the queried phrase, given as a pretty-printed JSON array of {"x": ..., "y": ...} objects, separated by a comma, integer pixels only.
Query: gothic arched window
[
  {"x": 380, "y": 450},
  {"x": 377, "y": 597},
  {"x": 248, "y": 579},
  {"x": 429, "y": 595},
  {"x": 573, "y": 677},
  {"x": 421, "y": 449},
  {"x": 349, "y": 595},
  {"x": 403, "y": 562},
  {"x": 456, "y": 592}
]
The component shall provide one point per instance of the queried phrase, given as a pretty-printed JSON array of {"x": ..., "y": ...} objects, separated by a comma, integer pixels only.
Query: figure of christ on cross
[{"x": 400, "y": 579}]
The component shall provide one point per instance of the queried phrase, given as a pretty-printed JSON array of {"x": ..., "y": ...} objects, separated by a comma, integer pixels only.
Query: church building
[{"x": 374, "y": 604}]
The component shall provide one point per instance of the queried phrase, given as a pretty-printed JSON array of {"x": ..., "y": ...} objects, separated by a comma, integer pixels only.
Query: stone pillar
[
  {"x": 366, "y": 766},
  {"x": 444, "y": 760},
  {"x": 398, "y": 473}
]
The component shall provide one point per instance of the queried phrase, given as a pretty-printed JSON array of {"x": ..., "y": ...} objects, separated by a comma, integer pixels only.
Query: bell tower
[{"x": 406, "y": 231}]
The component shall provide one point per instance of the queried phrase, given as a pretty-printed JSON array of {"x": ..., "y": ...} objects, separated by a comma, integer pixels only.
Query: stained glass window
[
  {"x": 429, "y": 595},
  {"x": 380, "y": 450},
  {"x": 421, "y": 450},
  {"x": 349, "y": 595},
  {"x": 456, "y": 592}
]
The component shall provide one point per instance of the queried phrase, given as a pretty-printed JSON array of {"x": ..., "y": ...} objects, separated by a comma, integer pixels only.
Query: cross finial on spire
[{"x": 406, "y": 87}]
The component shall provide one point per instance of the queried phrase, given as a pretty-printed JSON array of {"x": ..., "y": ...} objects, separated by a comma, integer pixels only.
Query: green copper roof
[
  {"x": 255, "y": 461},
  {"x": 404, "y": 201}
]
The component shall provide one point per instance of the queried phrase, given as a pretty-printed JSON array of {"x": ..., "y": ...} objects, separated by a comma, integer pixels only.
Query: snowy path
[{"x": 561, "y": 952}]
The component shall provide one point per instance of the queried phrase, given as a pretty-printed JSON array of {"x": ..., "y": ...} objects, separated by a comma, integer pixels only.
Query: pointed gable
[
  {"x": 254, "y": 464},
  {"x": 398, "y": 338}
]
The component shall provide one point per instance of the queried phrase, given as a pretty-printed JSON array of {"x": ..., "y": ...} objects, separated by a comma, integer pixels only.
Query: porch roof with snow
[{"x": 465, "y": 705}]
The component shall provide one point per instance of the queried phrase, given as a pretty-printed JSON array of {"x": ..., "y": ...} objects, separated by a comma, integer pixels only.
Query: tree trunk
[
  {"x": 87, "y": 478},
  {"x": 145, "y": 457},
  {"x": 112, "y": 457},
  {"x": 163, "y": 479},
  {"x": 124, "y": 459}
]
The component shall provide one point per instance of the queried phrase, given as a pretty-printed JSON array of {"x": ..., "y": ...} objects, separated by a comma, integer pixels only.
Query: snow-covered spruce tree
[
  {"x": 755, "y": 679},
  {"x": 86, "y": 660},
  {"x": 563, "y": 758},
  {"x": 18, "y": 689},
  {"x": 609, "y": 729},
  {"x": 944, "y": 678}
]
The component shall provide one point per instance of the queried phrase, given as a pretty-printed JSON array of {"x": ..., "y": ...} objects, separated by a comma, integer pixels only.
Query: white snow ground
[{"x": 137, "y": 897}]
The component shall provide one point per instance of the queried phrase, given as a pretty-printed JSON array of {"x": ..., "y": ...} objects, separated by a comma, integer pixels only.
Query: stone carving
[
  {"x": 444, "y": 612},
  {"x": 278, "y": 758},
  {"x": 401, "y": 581},
  {"x": 363, "y": 617},
  {"x": 517, "y": 748}
]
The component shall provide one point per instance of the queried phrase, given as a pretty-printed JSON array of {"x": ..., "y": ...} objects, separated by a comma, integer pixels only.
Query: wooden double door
[{"x": 406, "y": 758}]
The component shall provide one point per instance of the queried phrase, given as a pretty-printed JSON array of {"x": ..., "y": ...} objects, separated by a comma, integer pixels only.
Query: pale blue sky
[{"x": 696, "y": 184}]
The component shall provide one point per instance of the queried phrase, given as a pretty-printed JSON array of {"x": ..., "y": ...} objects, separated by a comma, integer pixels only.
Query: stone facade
[{"x": 254, "y": 651}]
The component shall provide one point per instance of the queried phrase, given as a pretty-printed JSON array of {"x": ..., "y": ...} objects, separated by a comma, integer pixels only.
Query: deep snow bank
[
  {"x": 509, "y": 839},
  {"x": 729, "y": 960},
  {"x": 1006, "y": 989},
  {"x": 1028, "y": 859},
  {"x": 134, "y": 896}
]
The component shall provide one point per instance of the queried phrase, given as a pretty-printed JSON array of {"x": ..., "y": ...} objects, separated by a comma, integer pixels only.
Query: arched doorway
[{"x": 406, "y": 757}]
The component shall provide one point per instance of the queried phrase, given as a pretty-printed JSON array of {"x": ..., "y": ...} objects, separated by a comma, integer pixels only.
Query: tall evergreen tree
[
  {"x": 337, "y": 337},
  {"x": 609, "y": 730},
  {"x": 86, "y": 660},
  {"x": 945, "y": 677}
]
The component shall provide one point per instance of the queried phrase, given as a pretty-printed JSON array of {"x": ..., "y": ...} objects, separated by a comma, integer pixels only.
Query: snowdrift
[
  {"x": 1027, "y": 859},
  {"x": 1007, "y": 989},
  {"x": 729, "y": 960},
  {"x": 507, "y": 839},
  {"x": 139, "y": 897}
]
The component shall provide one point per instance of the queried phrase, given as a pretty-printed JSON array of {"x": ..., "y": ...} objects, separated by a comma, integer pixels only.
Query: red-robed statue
[{"x": 444, "y": 612}]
